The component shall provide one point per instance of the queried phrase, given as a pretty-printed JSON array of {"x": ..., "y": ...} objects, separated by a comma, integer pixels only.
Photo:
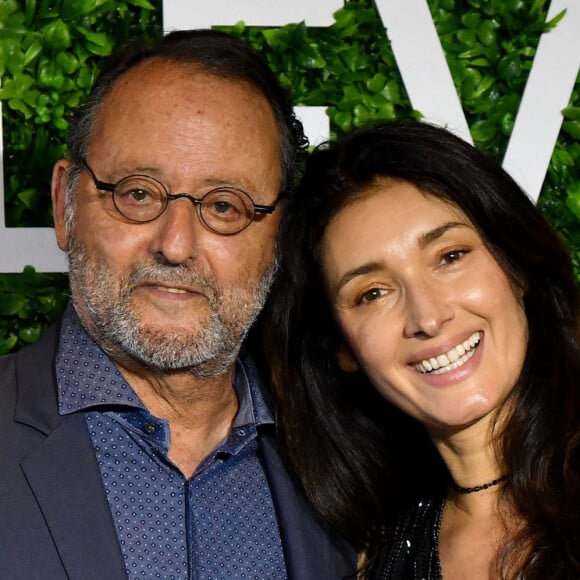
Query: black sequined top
[{"x": 410, "y": 549}]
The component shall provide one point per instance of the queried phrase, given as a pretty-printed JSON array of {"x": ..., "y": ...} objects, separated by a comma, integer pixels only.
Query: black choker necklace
[{"x": 477, "y": 488}]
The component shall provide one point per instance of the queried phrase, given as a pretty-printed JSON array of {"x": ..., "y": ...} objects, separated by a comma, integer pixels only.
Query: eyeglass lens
[{"x": 143, "y": 199}]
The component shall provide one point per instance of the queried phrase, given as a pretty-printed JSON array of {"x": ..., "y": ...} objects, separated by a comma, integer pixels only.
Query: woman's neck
[{"x": 470, "y": 456}]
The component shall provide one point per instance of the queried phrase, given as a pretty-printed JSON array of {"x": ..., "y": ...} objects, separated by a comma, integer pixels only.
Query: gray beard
[{"x": 114, "y": 324}]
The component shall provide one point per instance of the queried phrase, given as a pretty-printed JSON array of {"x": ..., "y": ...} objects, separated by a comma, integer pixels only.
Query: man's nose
[{"x": 179, "y": 231}]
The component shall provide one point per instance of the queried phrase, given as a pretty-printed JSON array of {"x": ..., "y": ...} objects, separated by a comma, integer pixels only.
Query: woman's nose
[{"x": 428, "y": 308}]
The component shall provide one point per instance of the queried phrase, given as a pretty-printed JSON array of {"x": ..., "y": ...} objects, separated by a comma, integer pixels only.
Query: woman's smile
[{"x": 452, "y": 359}]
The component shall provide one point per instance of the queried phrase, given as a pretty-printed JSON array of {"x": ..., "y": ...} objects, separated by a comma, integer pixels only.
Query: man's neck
[{"x": 200, "y": 411}]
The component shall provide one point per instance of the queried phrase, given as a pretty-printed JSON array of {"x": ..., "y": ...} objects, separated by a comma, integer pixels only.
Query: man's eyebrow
[{"x": 434, "y": 234}]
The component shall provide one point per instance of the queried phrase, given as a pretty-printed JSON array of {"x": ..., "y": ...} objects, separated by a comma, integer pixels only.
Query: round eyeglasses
[{"x": 141, "y": 199}]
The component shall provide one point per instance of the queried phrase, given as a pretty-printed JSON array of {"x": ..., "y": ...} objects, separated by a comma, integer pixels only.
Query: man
[{"x": 137, "y": 440}]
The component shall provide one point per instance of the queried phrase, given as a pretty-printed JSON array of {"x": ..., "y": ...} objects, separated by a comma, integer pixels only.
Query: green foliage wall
[{"x": 49, "y": 54}]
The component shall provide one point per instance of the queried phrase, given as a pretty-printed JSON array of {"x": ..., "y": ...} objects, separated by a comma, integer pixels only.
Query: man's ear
[
  {"x": 346, "y": 360},
  {"x": 60, "y": 174}
]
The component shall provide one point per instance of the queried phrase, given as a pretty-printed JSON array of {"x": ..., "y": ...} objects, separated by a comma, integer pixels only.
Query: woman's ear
[{"x": 346, "y": 360}]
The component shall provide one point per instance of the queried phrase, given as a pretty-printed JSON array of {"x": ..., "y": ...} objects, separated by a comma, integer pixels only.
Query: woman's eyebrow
[
  {"x": 359, "y": 271},
  {"x": 434, "y": 234}
]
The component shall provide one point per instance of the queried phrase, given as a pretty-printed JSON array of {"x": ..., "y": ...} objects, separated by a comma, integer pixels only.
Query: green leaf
[
  {"x": 61, "y": 124},
  {"x": 11, "y": 304},
  {"x": 471, "y": 19},
  {"x": 86, "y": 78},
  {"x": 350, "y": 57},
  {"x": 376, "y": 101},
  {"x": 22, "y": 82},
  {"x": 68, "y": 63},
  {"x": 98, "y": 40},
  {"x": 56, "y": 36},
  {"x": 75, "y": 9},
  {"x": 572, "y": 128},
  {"x": 32, "y": 52},
  {"x": 509, "y": 67},
  {"x": 13, "y": 55},
  {"x": 483, "y": 131},
  {"x": 29, "y": 197},
  {"x": 572, "y": 113},
  {"x": 551, "y": 24},
  {"x": 486, "y": 32},
  {"x": 485, "y": 84},
  {"x": 392, "y": 92},
  {"x": 8, "y": 89},
  {"x": 7, "y": 343},
  {"x": 344, "y": 121},
  {"x": 536, "y": 6},
  {"x": 30, "y": 8},
  {"x": 573, "y": 204},
  {"x": 20, "y": 106},
  {"x": 30, "y": 334},
  {"x": 507, "y": 124},
  {"x": 142, "y": 4},
  {"x": 467, "y": 37},
  {"x": 377, "y": 83}
]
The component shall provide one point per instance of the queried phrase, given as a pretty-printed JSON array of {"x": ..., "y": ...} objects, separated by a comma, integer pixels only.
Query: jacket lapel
[
  {"x": 66, "y": 482},
  {"x": 312, "y": 550},
  {"x": 63, "y": 473}
]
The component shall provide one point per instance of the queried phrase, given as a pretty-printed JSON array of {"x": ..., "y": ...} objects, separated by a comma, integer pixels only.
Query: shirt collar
[
  {"x": 253, "y": 407},
  {"x": 87, "y": 378}
]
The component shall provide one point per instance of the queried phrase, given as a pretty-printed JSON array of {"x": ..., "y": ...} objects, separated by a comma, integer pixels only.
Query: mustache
[{"x": 180, "y": 276}]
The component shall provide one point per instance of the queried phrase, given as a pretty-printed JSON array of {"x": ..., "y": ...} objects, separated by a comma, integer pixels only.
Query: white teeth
[
  {"x": 453, "y": 355},
  {"x": 172, "y": 290},
  {"x": 453, "y": 359}
]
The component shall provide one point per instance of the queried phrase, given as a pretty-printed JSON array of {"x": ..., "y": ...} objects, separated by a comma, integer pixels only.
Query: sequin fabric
[
  {"x": 410, "y": 547},
  {"x": 220, "y": 523}
]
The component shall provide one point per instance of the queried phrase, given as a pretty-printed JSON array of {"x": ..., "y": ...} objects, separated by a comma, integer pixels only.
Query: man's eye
[
  {"x": 139, "y": 195},
  {"x": 223, "y": 207},
  {"x": 134, "y": 196}
]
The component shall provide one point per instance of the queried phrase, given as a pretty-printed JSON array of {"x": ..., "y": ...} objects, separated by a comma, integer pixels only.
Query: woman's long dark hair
[{"x": 360, "y": 459}]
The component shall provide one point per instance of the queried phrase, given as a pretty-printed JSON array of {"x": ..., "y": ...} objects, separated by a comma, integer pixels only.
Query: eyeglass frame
[{"x": 259, "y": 209}]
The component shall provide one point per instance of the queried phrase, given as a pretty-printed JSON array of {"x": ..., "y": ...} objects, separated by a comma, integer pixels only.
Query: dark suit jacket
[{"x": 55, "y": 522}]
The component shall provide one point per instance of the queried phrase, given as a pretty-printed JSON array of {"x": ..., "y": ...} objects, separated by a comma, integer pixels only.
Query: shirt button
[{"x": 151, "y": 428}]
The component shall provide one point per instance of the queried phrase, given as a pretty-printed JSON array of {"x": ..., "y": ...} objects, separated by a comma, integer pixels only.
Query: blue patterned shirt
[{"x": 220, "y": 523}]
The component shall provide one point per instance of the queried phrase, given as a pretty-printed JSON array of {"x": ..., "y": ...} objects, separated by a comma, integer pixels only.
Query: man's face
[{"x": 170, "y": 293}]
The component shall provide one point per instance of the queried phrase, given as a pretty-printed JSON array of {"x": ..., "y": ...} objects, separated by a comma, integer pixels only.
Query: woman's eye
[
  {"x": 453, "y": 256},
  {"x": 370, "y": 295}
]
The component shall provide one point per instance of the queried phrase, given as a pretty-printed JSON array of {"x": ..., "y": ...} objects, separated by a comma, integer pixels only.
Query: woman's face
[{"x": 425, "y": 309}]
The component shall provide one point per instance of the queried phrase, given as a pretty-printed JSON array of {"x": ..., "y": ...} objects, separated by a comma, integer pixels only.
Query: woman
[{"x": 423, "y": 337}]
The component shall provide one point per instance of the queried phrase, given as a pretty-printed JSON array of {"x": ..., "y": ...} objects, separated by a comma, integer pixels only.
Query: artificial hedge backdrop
[{"x": 50, "y": 51}]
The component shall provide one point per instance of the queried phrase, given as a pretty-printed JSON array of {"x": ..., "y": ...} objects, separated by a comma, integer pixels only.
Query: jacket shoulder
[{"x": 28, "y": 381}]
